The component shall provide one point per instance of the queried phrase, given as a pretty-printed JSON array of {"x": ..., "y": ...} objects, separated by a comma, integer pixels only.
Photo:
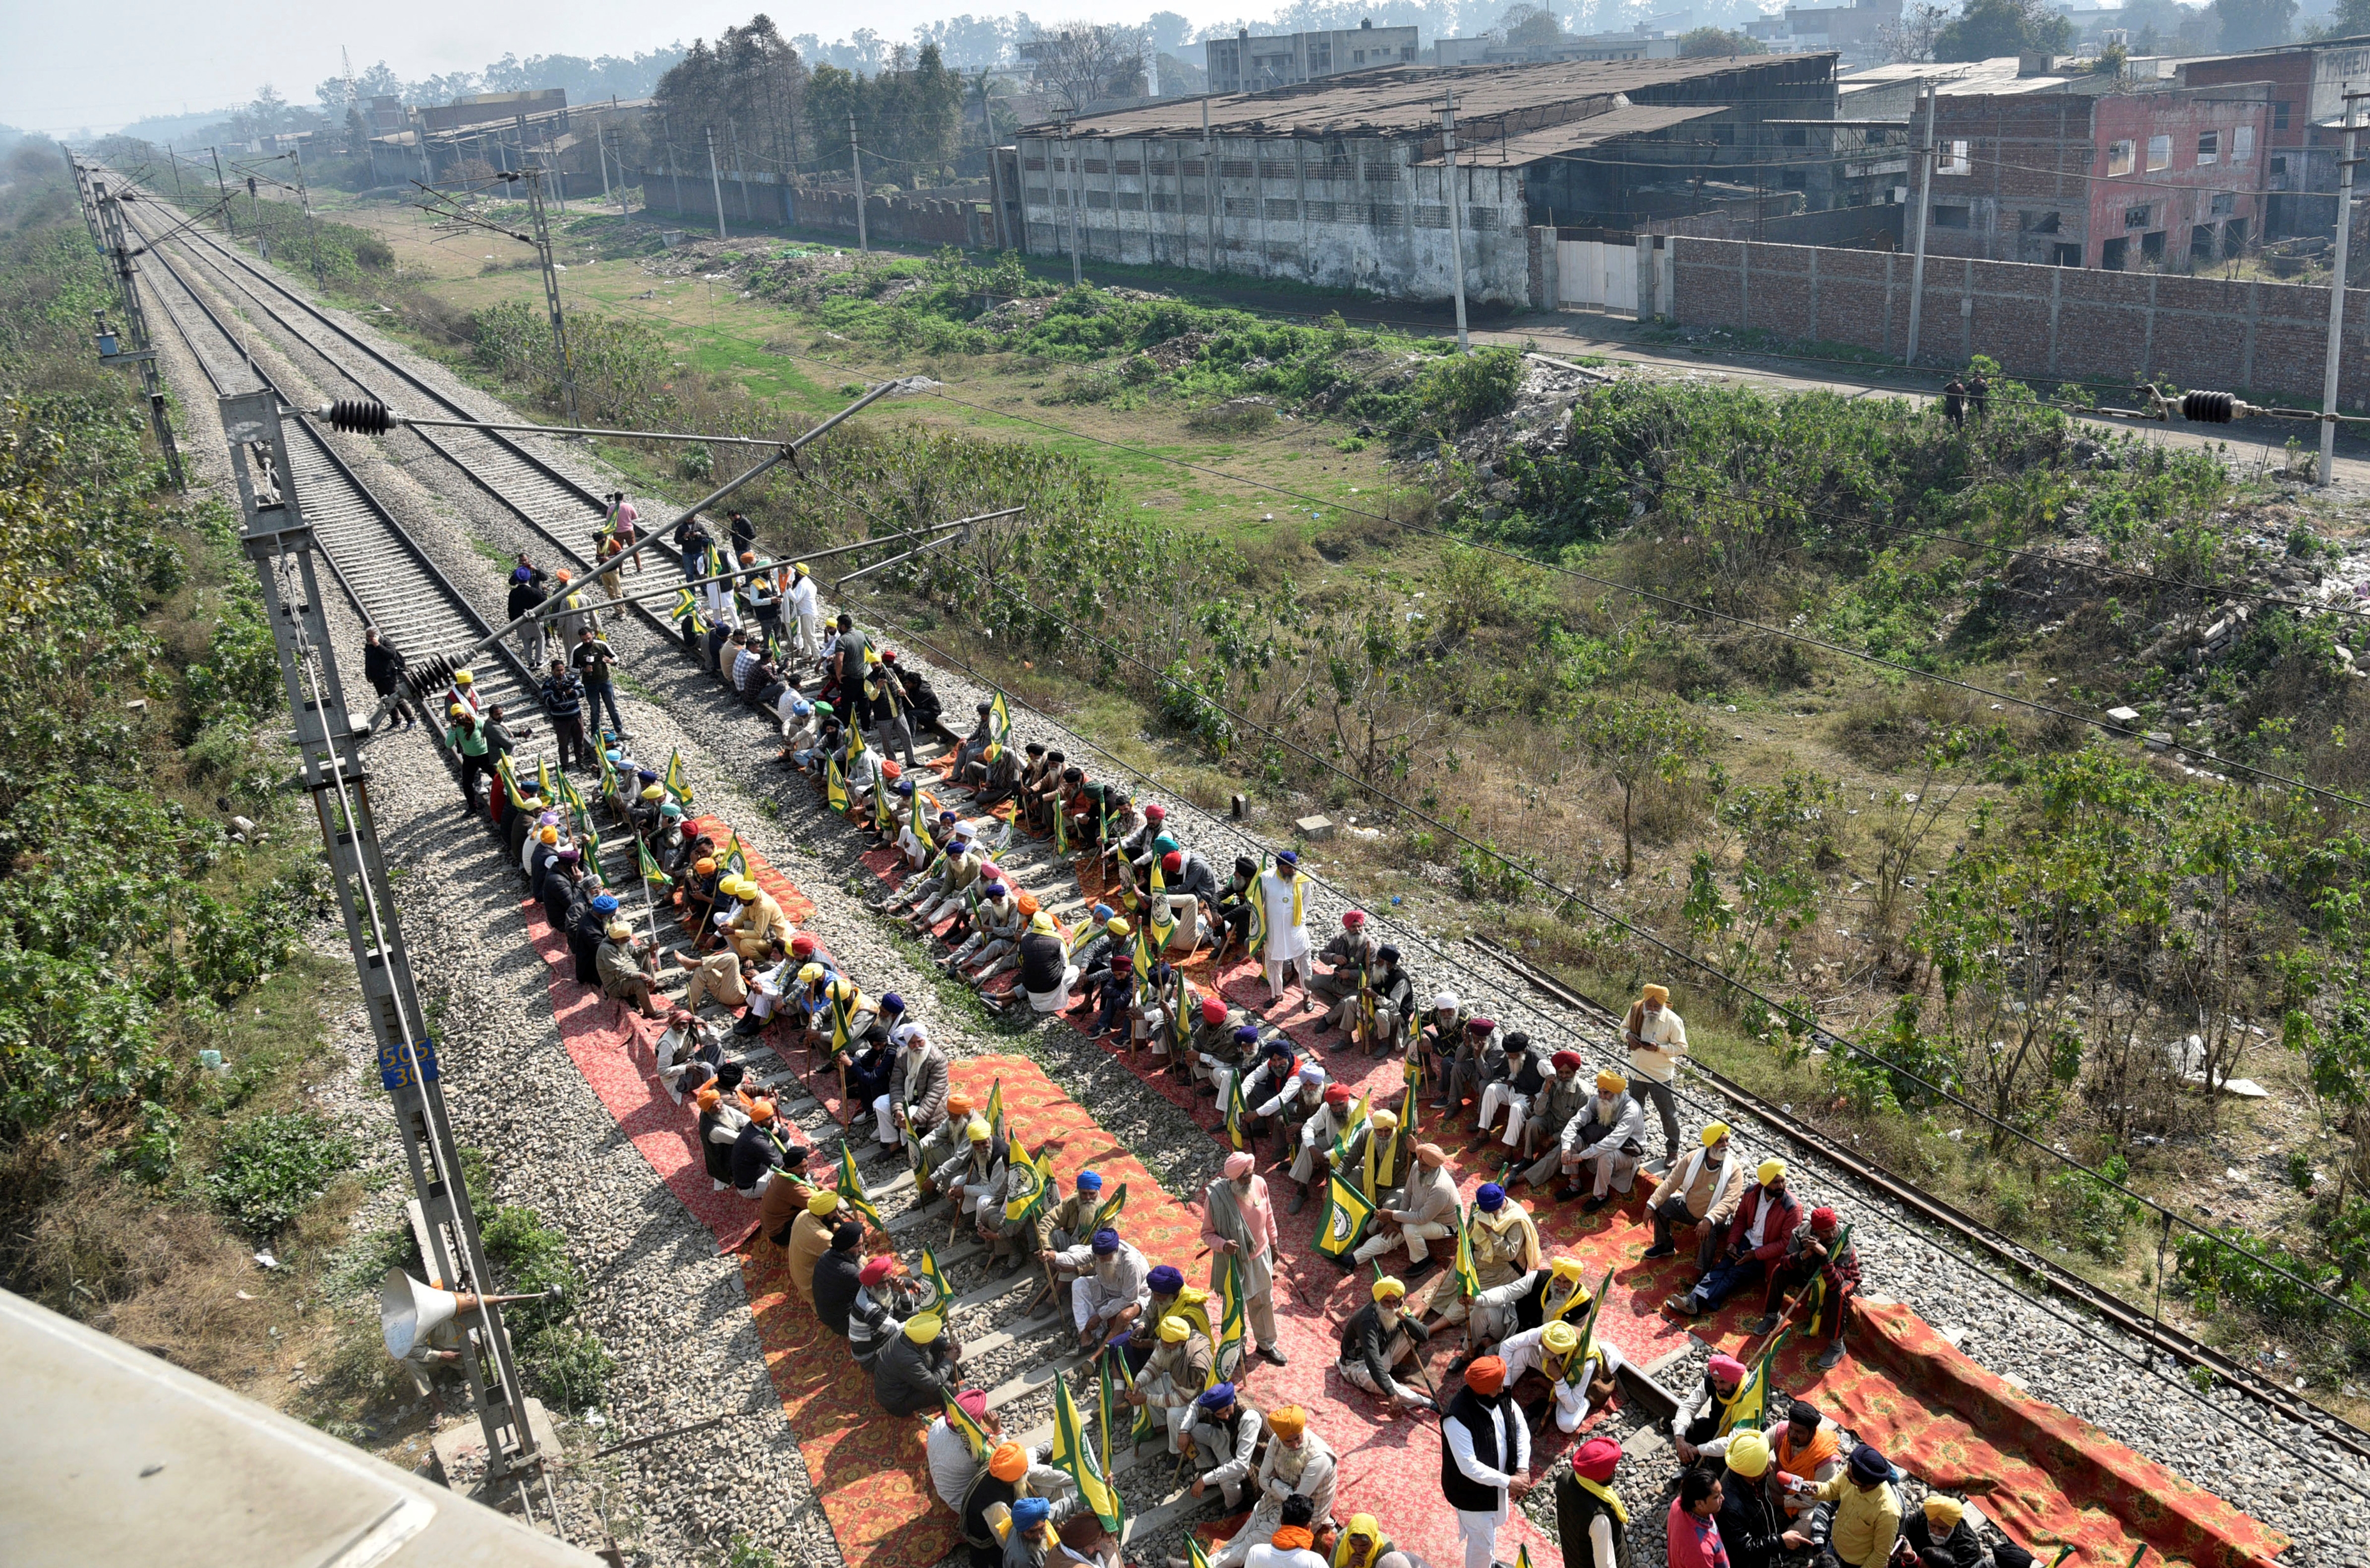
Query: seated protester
[
  {"x": 917, "y": 850},
  {"x": 685, "y": 1037},
  {"x": 1361, "y": 1545},
  {"x": 1565, "y": 1098},
  {"x": 779, "y": 1208},
  {"x": 625, "y": 975},
  {"x": 838, "y": 1275},
  {"x": 588, "y": 928},
  {"x": 1112, "y": 1285},
  {"x": 1702, "y": 1190},
  {"x": 993, "y": 778},
  {"x": 1312, "y": 1159},
  {"x": 667, "y": 842},
  {"x": 945, "y": 1148},
  {"x": 1425, "y": 1212},
  {"x": 1575, "y": 1384},
  {"x": 1378, "y": 1342},
  {"x": 915, "y": 1370},
  {"x": 771, "y": 986},
  {"x": 761, "y": 1151},
  {"x": 1476, "y": 1063},
  {"x": 1108, "y": 933},
  {"x": 1046, "y": 972},
  {"x": 758, "y": 921},
  {"x": 1811, "y": 1264},
  {"x": 863, "y": 774},
  {"x": 1099, "y": 808},
  {"x": 721, "y": 1122},
  {"x": 946, "y": 889},
  {"x": 1276, "y": 1072},
  {"x": 698, "y": 893},
  {"x": 559, "y": 886},
  {"x": 1293, "y": 1542},
  {"x": 1172, "y": 1378},
  {"x": 801, "y": 732},
  {"x": 973, "y": 747},
  {"x": 947, "y": 1455},
  {"x": 996, "y": 923},
  {"x": 1067, "y": 799},
  {"x": 885, "y": 1297},
  {"x": 1392, "y": 992},
  {"x": 1295, "y": 1100},
  {"x": 1941, "y": 1536},
  {"x": 1511, "y": 1085},
  {"x": 1701, "y": 1427},
  {"x": 1505, "y": 1244},
  {"x": 996, "y": 1484},
  {"x": 815, "y": 1233},
  {"x": 1232, "y": 913},
  {"x": 689, "y": 850},
  {"x": 1765, "y": 1219},
  {"x": 1607, "y": 1139},
  {"x": 869, "y": 1067},
  {"x": 1351, "y": 957},
  {"x": 1226, "y": 1433},
  {"x": 1440, "y": 1036},
  {"x": 977, "y": 1186},
  {"x": 921, "y": 702},
  {"x": 1115, "y": 997},
  {"x": 1211, "y": 1045},
  {"x": 1033, "y": 766},
  {"x": 1379, "y": 1134},
  {"x": 723, "y": 978}
]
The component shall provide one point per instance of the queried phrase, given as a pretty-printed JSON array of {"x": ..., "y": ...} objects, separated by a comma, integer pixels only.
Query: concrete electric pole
[
  {"x": 715, "y": 180},
  {"x": 1455, "y": 215},
  {"x": 2337, "y": 299},
  {"x": 855, "y": 172},
  {"x": 1917, "y": 266}
]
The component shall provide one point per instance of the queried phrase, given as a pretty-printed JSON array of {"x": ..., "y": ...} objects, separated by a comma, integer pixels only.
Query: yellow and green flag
[
  {"x": 935, "y": 1277},
  {"x": 1194, "y": 1556},
  {"x": 608, "y": 775},
  {"x": 1468, "y": 1279},
  {"x": 974, "y": 1434},
  {"x": 834, "y": 784},
  {"x": 678, "y": 786},
  {"x": 1236, "y": 1109},
  {"x": 1112, "y": 1207},
  {"x": 542, "y": 779},
  {"x": 851, "y": 1189},
  {"x": 919, "y": 819},
  {"x": 1075, "y": 1457},
  {"x": 734, "y": 859},
  {"x": 1348, "y": 1212},
  {"x": 883, "y": 821},
  {"x": 649, "y": 868},
  {"x": 1231, "y": 1322},
  {"x": 1033, "y": 1182},
  {"x": 1000, "y": 716},
  {"x": 994, "y": 1111}
]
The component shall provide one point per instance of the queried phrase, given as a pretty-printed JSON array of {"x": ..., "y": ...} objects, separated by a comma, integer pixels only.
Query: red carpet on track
[{"x": 2045, "y": 1476}]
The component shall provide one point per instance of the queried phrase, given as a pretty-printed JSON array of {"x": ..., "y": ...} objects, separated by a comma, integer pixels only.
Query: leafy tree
[
  {"x": 1990, "y": 27},
  {"x": 748, "y": 90},
  {"x": 1528, "y": 26},
  {"x": 2350, "y": 19},
  {"x": 909, "y": 121},
  {"x": 1714, "y": 43},
  {"x": 1636, "y": 739},
  {"x": 2253, "y": 24},
  {"x": 1080, "y": 63},
  {"x": 1910, "y": 41}
]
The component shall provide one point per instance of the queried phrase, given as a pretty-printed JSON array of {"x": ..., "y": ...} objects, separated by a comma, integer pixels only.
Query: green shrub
[
  {"x": 269, "y": 1166},
  {"x": 2087, "y": 1211},
  {"x": 1237, "y": 418}
]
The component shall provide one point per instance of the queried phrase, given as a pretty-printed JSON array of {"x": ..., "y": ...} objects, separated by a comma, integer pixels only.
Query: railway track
[{"x": 384, "y": 575}]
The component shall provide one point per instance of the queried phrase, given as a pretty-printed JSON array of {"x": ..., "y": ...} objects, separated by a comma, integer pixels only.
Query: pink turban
[
  {"x": 1239, "y": 1165},
  {"x": 1727, "y": 1368}
]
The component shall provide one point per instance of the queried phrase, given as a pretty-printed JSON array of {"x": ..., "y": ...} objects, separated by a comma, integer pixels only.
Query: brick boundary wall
[{"x": 2046, "y": 323}]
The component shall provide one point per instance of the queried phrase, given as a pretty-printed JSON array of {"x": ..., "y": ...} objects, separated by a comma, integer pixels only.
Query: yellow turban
[
  {"x": 1944, "y": 1512},
  {"x": 822, "y": 1203},
  {"x": 1173, "y": 1330},
  {"x": 1748, "y": 1455},
  {"x": 1565, "y": 1268},
  {"x": 1771, "y": 1170},
  {"x": 1390, "y": 1289},
  {"x": 923, "y": 1328},
  {"x": 1386, "y": 1120},
  {"x": 1658, "y": 995},
  {"x": 1713, "y": 1132},
  {"x": 1611, "y": 1082},
  {"x": 1288, "y": 1423},
  {"x": 977, "y": 1131},
  {"x": 1561, "y": 1337}
]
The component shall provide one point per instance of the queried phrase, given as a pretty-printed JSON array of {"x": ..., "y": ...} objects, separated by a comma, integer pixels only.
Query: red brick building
[
  {"x": 2157, "y": 177},
  {"x": 2307, "y": 83}
]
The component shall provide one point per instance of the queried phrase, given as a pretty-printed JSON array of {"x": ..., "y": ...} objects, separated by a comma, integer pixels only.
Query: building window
[
  {"x": 2209, "y": 148},
  {"x": 2066, "y": 256},
  {"x": 2152, "y": 246},
  {"x": 2136, "y": 217},
  {"x": 1954, "y": 159},
  {"x": 2160, "y": 153},
  {"x": 2119, "y": 158},
  {"x": 2242, "y": 144},
  {"x": 2114, "y": 253},
  {"x": 1357, "y": 57},
  {"x": 1952, "y": 217},
  {"x": 2279, "y": 117},
  {"x": 2040, "y": 222},
  {"x": 2224, "y": 203},
  {"x": 1793, "y": 136}
]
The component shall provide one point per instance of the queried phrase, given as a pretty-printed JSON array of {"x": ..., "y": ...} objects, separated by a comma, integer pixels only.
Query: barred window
[
  {"x": 1129, "y": 201},
  {"x": 1283, "y": 208},
  {"x": 1099, "y": 198},
  {"x": 1382, "y": 174},
  {"x": 1271, "y": 169},
  {"x": 1131, "y": 165},
  {"x": 1386, "y": 214},
  {"x": 1190, "y": 166},
  {"x": 1428, "y": 216},
  {"x": 1097, "y": 165},
  {"x": 1331, "y": 171},
  {"x": 1061, "y": 196},
  {"x": 1034, "y": 166},
  {"x": 1163, "y": 202},
  {"x": 1317, "y": 211},
  {"x": 1164, "y": 171},
  {"x": 1237, "y": 169},
  {"x": 1197, "y": 206},
  {"x": 1037, "y": 196},
  {"x": 1242, "y": 207},
  {"x": 1481, "y": 220}
]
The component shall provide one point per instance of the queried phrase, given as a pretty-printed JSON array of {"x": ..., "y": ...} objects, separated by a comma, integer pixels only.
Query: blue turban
[
  {"x": 1165, "y": 1280},
  {"x": 604, "y": 903},
  {"x": 523, "y": 574},
  {"x": 1090, "y": 1181},
  {"x": 1027, "y": 1513},
  {"x": 1869, "y": 1465},
  {"x": 1104, "y": 911},
  {"x": 1492, "y": 1198},
  {"x": 1274, "y": 1048},
  {"x": 1106, "y": 1241},
  {"x": 670, "y": 810},
  {"x": 891, "y": 1002},
  {"x": 1287, "y": 857},
  {"x": 1217, "y": 1398},
  {"x": 647, "y": 775}
]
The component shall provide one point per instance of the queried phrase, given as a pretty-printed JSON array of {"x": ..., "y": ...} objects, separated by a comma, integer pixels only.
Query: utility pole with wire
[
  {"x": 135, "y": 322},
  {"x": 2337, "y": 296},
  {"x": 278, "y": 538},
  {"x": 600, "y": 146},
  {"x": 1070, "y": 169},
  {"x": 715, "y": 180},
  {"x": 855, "y": 171},
  {"x": 312, "y": 223},
  {"x": 230, "y": 219},
  {"x": 173, "y": 159},
  {"x": 1924, "y": 210},
  {"x": 534, "y": 179},
  {"x": 1455, "y": 215}
]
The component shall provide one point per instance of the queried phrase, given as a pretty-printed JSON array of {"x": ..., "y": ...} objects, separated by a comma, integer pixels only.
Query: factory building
[{"x": 1348, "y": 184}]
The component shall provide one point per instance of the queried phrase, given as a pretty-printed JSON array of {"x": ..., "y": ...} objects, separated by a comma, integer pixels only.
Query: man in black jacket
[
  {"x": 1485, "y": 1458},
  {"x": 382, "y": 667},
  {"x": 838, "y": 1276},
  {"x": 562, "y": 697},
  {"x": 1377, "y": 1340},
  {"x": 529, "y": 587},
  {"x": 915, "y": 1371}
]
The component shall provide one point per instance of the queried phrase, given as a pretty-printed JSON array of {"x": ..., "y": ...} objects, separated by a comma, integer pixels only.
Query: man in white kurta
[{"x": 1287, "y": 930}]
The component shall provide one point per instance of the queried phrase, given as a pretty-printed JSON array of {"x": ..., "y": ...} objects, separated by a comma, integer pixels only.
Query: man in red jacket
[{"x": 1764, "y": 1222}]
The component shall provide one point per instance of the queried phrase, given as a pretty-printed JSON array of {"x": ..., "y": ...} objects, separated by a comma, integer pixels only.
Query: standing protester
[
  {"x": 563, "y": 704},
  {"x": 1979, "y": 396},
  {"x": 528, "y": 586},
  {"x": 1657, "y": 1040},
  {"x": 466, "y": 736},
  {"x": 1485, "y": 1458},
  {"x": 1588, "y": 1509},
  {"x": 622, "y": 523},
  {"x": 691, "y": 542},
  {"x": 595, "y": 662},
  {"x": 1692, "y": 1527},
  {"x": 742, "y": 534},
  {"x": 806, "y": 607},
  {"x": 382, "y": 667},
  {"x": 1238, "y": 1226}
]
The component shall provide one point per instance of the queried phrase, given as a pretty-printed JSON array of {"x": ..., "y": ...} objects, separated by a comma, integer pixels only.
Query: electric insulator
[
  {"x": 362, "y": 415},
  {"x": 2208, "y": 407}
]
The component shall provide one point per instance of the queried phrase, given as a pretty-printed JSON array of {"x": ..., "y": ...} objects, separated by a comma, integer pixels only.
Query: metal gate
[{"x": 1598, "y": 274}]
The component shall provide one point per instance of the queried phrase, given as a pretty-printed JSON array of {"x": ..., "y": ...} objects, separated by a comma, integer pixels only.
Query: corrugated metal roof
[
  {"x": 1626, "y": 120},
  {"x": 1407, "y": 99}
]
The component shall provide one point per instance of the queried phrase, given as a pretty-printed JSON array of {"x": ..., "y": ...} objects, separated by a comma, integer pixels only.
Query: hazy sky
[{"x": 64, "y": 66}]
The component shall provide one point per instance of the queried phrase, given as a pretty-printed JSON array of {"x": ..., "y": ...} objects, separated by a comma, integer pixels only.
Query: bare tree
[
  {"x": 1078, "y": 63},
  {"x": 1910, "y": 41}
]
